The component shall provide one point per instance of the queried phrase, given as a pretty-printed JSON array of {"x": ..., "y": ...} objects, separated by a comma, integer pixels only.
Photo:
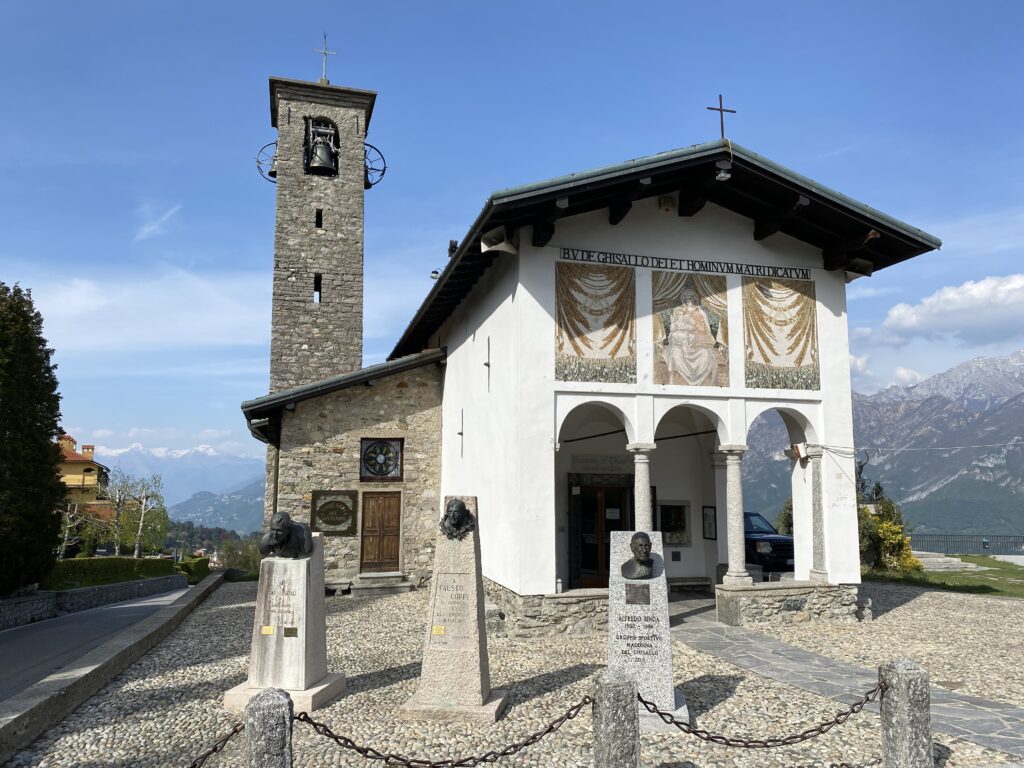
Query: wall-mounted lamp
[
  {"x": 435, "y": 273},
  {"x": 723, "y": 166}
]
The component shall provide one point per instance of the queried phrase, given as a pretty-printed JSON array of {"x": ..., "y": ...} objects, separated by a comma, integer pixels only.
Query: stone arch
[
  {"x": 799, "y": 419},
  {"x": 566, "y": 410},
  {"x": 717, "y": 417}
]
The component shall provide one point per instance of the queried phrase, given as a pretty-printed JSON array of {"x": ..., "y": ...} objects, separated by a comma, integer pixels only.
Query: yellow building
[{"x": 81, "y": 473}]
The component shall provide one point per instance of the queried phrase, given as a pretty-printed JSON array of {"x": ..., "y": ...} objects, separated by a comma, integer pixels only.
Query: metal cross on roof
[
  {"x": 325, "y": 53},
  {"x": 721, "y": 110}
]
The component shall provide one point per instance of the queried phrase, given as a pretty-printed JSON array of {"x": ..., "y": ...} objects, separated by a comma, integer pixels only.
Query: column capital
[
  {"x": 640, "y": 448},
  {"x": 731, "y": 451}
]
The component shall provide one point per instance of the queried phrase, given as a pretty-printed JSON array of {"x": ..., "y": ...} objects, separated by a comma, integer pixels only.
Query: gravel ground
[
  {"x": 165, "y": 709},
  {"x": 968, "y": 643}
]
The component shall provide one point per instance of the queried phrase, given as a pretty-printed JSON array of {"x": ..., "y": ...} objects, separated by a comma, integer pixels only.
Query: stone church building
[{"x": 591, "y": 359}]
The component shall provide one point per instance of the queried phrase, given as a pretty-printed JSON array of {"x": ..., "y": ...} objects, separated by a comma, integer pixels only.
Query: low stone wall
[
  {"x": 15, "y": 611},
  {"x": 786, "y": 603},
  {"x": 577, "y": 612},
  {"x": 84, "y": 598}
]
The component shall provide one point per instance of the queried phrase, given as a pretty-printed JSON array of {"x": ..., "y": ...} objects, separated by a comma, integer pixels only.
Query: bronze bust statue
[
  {"x": 640, "y": 566},
  {"x": 286, "y": 538},
  {"x": 458, "y": 521}
]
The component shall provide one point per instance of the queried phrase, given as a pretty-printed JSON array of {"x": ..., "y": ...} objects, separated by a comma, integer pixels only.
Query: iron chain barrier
[
  {"x": 878, "y": 692},
  {"x": 464, "y": 762},
  {"x": 217, "y": 746}
]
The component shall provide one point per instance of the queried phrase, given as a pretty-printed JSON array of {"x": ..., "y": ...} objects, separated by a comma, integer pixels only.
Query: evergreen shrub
[
  {"x": 68, "y": 574},
  {"x": 196, "y": 568}
]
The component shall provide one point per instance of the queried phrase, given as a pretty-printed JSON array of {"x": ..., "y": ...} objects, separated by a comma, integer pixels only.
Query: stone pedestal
[
  {"x": 639, "y": 642},
  {"x": 455, "y": 681},
  {"x": 289, "y": 635}
]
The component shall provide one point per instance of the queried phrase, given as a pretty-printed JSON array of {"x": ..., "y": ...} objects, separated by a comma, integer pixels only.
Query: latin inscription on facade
[
  {"x": 683, "y": 265},
  {"x": 453, "y": 620}
]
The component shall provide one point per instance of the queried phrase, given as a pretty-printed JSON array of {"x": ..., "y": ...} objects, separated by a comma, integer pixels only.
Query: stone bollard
[
  {"x": 616, "y": 721},
  {"x": 268, "y": 729},
  {"x": 906, "y": 716}
]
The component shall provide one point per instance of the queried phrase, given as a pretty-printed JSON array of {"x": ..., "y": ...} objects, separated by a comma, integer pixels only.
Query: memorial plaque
[
  {"x": 638, "y": 594},
  {"x": 455, "y": 677},
  {"x": 334, "y": 513},
  {"x": 639, "y": 642},
  {"x": 453, "y": 619}
]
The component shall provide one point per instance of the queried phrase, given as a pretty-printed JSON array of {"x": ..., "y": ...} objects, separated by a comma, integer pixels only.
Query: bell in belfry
[{"x": 321, "y": 157}]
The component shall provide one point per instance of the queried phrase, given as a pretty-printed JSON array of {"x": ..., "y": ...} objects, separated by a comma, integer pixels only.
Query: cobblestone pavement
[
  {"x": 166, "y": 708},
  {"x": 970, "y": 644}
]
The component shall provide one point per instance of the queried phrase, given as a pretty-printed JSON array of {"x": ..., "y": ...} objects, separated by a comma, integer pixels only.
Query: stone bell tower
[{"x": 317, "y": 323}]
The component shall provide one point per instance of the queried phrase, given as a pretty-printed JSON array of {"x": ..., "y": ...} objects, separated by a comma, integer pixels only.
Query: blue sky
[{"x": 132, "y": 209}]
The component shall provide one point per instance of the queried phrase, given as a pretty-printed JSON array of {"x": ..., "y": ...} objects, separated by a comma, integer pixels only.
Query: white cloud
[
  {"x": 859, "y": 364},
  {"x": 153, "y": 221},
  {"x": 169, "y": 309},
  {"x": 100, "y": 434},
  {"x": 977, "y": 312},
  {"x": 906, "y": 376},
  {"x": 861, "y": 332},
  {"x": 212, "y": 434},
  {"x": 866, "y": 291}
]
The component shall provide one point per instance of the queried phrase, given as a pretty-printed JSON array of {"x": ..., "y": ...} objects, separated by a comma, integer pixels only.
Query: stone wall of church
[
  {"x": 320, "y": 445},
  {"x": 580, "y": 612}
]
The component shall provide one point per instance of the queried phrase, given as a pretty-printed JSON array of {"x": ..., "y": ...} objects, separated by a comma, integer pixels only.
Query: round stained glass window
[{"x": 380, "y": 459}]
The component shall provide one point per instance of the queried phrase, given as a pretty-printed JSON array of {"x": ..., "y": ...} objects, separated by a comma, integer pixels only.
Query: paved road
[{"x": 34, "y": 651}]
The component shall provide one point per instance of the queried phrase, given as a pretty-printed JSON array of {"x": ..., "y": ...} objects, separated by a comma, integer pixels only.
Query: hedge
[
  {"x": 196, "y": 568},
  {"x": 68, "y": 574}
]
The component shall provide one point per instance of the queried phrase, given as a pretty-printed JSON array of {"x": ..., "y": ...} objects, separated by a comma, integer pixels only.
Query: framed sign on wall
[
  {"x": 710, "y": 523},
  {"x": 334, "y": 513}
]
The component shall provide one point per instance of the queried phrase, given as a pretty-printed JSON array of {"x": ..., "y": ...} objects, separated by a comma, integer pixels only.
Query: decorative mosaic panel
[
  {"x": 380, "y": 461},
  {"x": 595, "y": 334},
  {"x": 691, "y": 329},
  {"x": 781, "y": 334}
]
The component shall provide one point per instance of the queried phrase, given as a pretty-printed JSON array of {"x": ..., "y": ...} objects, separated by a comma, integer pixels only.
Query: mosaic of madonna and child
[
  {"x": 595, "y": 335},
  {"x": 781, "y": 334},
  {"x": 691, "y": 329}
]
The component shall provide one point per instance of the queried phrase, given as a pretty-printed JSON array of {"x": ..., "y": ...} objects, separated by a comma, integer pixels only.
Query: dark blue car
[{"x": 767, "y": 547}]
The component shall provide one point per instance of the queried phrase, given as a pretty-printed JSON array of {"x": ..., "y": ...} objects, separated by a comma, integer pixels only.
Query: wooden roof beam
[
  {"x": 772, "y": 223},
  {"x": 692, "y": 200},
  {"x": 839, "y": 256},
  {"x": 622, "y": 204}
]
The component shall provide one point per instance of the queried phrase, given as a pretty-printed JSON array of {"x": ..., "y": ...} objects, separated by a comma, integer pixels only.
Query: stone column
[
  {"x": 643, "y": 515},
  {"x": 616, "y": 724},
  {"x": 268, "y": 729},
  {"x": 906, "y": 715},
  {"x": 819, "y": 573},
  {"x": 736, "y": 535}
]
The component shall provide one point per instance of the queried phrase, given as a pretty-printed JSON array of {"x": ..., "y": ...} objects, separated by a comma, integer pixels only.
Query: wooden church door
[{"x": 381, "y": 534}]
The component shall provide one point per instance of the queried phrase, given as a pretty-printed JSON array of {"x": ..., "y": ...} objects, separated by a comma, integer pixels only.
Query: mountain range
[
  {"x": 949, "y": 449},
  {"x": 184, "y": 472}
]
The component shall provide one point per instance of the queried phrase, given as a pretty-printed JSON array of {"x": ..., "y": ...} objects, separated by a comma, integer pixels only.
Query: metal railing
[{"x": 967, "y": 544}]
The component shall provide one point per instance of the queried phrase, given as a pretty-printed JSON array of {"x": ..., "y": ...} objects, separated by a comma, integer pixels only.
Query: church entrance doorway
[
  {"x": 381, "y": 533},
  {"x": 597, "y": 506}
]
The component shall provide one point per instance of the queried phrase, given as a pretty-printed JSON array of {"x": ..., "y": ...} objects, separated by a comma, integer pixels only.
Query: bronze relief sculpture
[
  {"x": 286, "y": 538},
  {"x": 640, "y": 566},
  {"x": 457, "y": 521}
]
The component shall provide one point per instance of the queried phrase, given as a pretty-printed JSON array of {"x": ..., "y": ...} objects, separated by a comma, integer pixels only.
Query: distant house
[{"x": 82, "y": 475}]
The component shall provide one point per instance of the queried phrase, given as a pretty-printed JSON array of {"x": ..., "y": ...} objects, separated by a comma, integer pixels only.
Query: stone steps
[
  {"x": 936, "y": 561},
  {"x": 374, "y": 584}
]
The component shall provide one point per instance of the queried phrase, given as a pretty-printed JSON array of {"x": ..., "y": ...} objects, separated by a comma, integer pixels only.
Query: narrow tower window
[
  {"x": 318, "y": 282},
  {"x": 319, "y": 218}
]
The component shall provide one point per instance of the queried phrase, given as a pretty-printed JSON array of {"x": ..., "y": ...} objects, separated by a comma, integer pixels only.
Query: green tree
[
  {"x": 31, "y": 491},
  {"x": 146, "y": 516},
  {"x": 784, "y": 522}
]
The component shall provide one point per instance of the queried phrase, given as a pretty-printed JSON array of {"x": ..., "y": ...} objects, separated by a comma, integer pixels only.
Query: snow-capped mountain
[
  {"x": 184, "y": 472},
  {"x": 956, "y": 490}
]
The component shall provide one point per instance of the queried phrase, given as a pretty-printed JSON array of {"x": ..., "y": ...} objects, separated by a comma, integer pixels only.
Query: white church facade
[{"x": 591, "y": 359}]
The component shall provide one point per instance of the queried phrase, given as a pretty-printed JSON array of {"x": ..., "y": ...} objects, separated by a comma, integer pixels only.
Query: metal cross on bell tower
[
  {"x": 721, "y": 110},
  {"x": 325, "y": 53}
]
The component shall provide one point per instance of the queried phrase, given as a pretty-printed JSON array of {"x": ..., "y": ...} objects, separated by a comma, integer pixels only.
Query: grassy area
[{"x": 1003, "y": 579}]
